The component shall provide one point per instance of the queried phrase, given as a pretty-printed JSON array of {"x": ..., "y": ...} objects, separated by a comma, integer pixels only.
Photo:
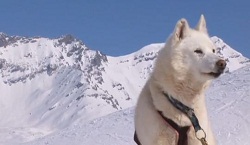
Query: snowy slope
[
  {"x": 50, "y": 84},
  {"x": 235, "y": 60},
  {"x": 113, "y": 129},
  {"x": 228, "y": 103}
]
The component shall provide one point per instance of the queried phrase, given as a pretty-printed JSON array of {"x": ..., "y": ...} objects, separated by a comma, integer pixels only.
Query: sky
[{"x": 120, "y": 27}]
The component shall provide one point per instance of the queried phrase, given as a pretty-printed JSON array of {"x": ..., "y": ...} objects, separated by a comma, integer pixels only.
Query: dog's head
[{"x": 193, "y": 53}]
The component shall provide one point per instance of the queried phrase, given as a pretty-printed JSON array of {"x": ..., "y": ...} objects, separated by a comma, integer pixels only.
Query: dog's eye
[
  {"x": 198, "y": 51},
  {"x": 213, "y": 50}
]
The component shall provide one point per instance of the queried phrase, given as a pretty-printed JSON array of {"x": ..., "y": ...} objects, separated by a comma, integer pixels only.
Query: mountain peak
[
  {"x": 4, "y": 39},
  {"x": 2, "y": 34},
  {"x": 64, "y": 82},
  {"x": 67, "y": 39},
  {"x": 235, "y": 59}
]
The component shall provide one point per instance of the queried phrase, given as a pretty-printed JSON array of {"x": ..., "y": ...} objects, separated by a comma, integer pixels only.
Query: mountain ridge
[
  {"x": 110, "y": 129},
  {"x": 61, "y": 81}
]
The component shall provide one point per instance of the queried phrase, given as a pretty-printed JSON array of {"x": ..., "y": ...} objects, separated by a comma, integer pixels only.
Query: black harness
[
  {"x": 182, "y": 131},
  {"x": 189, "y": 112}
]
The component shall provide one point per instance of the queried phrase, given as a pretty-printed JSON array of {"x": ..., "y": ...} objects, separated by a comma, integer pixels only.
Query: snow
[
  {"x": 57, "y": 91},
  {"x": 113, "y": 129},
  {"x": 235, "y": 60},
  {"x": 228, "y": 104}
]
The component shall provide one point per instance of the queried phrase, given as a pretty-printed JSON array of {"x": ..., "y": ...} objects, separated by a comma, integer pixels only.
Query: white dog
[{"x": 171, "y": 108}]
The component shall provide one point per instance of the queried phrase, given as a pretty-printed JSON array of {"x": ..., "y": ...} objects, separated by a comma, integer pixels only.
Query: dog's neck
[
  {"x": 181, "y": 91},
  {"x": 186, "y": 91},
  {"x": 179, "y": 84}
]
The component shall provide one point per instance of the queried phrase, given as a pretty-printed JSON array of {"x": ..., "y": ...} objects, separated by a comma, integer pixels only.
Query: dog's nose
[{"x": 221, "y": 64}]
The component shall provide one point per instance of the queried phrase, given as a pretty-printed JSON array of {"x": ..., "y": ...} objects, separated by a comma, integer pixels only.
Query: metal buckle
[{"x": 202, "y": 139}]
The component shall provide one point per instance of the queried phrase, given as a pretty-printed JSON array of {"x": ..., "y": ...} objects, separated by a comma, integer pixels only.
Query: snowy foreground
[
  {"x": 59, "y": 92},
  {"x": 228, "y": 104}
]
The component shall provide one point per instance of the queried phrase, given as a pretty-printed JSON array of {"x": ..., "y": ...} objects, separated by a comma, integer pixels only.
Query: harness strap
[
  {"x": 189, "y": 112},
  {"x": 136, "y": 139},
  {"x": 182, "y": 131}
]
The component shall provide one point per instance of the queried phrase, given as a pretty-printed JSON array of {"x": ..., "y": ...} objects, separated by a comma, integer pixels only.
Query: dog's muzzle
[{"x": 220, "y": 66}]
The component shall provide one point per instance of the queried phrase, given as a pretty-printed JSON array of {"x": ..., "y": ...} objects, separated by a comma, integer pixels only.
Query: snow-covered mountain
[
  {"x": 49, "y": 84},
  {"x": 228, "y": 103},
  {"x": 235, "y": 60}
]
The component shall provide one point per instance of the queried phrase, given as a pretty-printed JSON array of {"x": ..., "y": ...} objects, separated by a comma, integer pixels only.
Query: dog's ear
[
  {"x": 181, "y": 30},
  {"x": 201, "y": 26}
]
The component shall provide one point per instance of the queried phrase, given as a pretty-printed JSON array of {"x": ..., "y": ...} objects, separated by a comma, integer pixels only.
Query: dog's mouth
[{"x": 216, "y": 75}]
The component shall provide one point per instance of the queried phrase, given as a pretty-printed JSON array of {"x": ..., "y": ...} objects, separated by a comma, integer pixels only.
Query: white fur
[{"x": 182, "y": 73}]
